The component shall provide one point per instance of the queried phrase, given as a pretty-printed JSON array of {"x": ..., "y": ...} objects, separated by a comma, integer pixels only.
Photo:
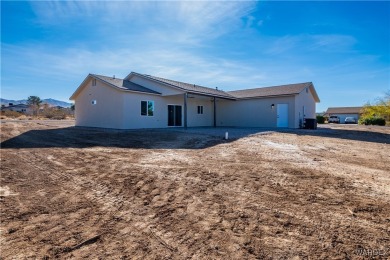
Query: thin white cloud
[
  {"x": 49, "y": 67},
  {"x": 183, "y": 21},
  {"x": 308, "y": 42},
  {"x": 178, "y": 40},
  {"x": 283, "y": 44},
  {"x": 161, "y": 45},
  {"x": 333, "y": 42},
  {"x": 180, "y": 65}
]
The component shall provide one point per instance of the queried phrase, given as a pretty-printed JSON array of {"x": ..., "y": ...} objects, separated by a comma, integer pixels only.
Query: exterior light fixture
[{"x": 272, "y": 106}]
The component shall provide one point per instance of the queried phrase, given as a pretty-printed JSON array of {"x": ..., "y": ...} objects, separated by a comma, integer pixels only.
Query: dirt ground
[{"x": 295, "y": 194}]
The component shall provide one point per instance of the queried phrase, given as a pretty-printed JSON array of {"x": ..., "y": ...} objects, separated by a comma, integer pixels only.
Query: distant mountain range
[{"x": 50, "y": 101}]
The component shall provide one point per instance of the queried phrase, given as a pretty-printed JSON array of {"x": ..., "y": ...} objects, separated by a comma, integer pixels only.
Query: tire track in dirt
[{"x": 246, "y": 199}]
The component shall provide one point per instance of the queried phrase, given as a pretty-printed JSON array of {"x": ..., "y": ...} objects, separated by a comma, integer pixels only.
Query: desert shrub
[
  {"x": 379, "y": 121},
  {"x": 320, "y": 119},
  {"x": 372, "y": 121},
  {"x": 59, "y": 117},
  {"x": 374, "y": 114},
  {"x": 12, "y": 114},
  {"x": 54, "y": 114}
]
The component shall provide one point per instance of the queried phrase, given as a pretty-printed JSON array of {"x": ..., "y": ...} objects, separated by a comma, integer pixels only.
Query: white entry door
[{"x": 282, "y": 115}]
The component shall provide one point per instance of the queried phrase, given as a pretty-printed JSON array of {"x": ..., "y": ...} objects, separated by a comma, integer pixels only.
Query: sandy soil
[{"x": 85, "y": 193}]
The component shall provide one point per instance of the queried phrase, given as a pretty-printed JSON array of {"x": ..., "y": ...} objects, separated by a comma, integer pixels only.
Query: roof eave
[
  {"x": 73, "y": 96},
  {"x": 140, "y": 92},
  {"x": 209, "y": 95},
  {"x": 314, "y": 93},
  {"x": 108, "y": 83},
  {"x": 270, "y": 96},
  {"x": 343, "y": 113}
]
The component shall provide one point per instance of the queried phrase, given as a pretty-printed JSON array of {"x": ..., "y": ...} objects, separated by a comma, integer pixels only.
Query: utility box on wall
[{"x": 310, "y": 123}]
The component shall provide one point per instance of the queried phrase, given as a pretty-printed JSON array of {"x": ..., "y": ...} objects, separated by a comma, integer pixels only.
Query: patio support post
[
  {"x": 185, "y": 110},
  {"x": 215, "y": 112}
]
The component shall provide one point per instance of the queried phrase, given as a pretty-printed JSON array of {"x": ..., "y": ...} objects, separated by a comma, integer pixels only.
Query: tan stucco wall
[
  {"x": 253, "y": 112},
  {"x": 108, "y": 111},
  {"x": 195, "y": 119},
  {"x": 304, "y": 99},
  {"x": 122, "y": 109},
  {"x": 132, "y": 108}
]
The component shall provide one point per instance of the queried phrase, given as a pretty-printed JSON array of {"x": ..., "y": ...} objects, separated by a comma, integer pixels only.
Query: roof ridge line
[
  {"x": 182, "y": 85},
  {"x": 98, "y": 75},
  {"x": 275, "y": 86},
  {"x": 195, "y": 85}
]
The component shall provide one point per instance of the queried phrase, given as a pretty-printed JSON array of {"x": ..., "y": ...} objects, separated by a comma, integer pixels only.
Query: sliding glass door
[{"x": 174, "y": 115}]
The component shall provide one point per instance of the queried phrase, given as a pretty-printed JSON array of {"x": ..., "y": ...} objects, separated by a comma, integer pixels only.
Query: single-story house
[
  {"x": 21, "y": 108},
  {"x": 145, "y": 101},
  {"x": 343, "y": 112}
]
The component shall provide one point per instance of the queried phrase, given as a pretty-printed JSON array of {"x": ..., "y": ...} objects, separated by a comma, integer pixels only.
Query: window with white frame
[
  {"x": 147, "y": 108},
  {"x": 200, "y": 110},
  {"x": 94, "y": 102},
  {"x": 93, "y": 82}
]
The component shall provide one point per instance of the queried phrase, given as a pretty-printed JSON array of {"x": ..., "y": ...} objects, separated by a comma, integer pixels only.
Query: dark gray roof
[
  {"x": 17, "y": 106},
  {"x": 283, "y": 90},
  {"x": 192, "y": 88},
  {"x": 344, "y": 110},
  {"x": 124, "y": 84},
  {"x": 290, "y": 89}
]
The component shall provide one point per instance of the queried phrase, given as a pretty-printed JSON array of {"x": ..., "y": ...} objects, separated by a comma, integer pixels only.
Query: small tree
[
  {"x": 35, "y": 103},
  {"x": 45, "y": 108},
  {"x": 379, "y": 110}
]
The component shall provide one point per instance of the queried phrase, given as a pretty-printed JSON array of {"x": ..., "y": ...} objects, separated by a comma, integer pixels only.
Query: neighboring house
[
  {"x": 21, "y": 108},
  {"x": 343, "y": 112},
  {"x": 144, "y": 101}
]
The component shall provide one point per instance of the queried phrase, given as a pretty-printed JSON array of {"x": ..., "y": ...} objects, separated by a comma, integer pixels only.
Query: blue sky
[{"x": 49, "y": 47}]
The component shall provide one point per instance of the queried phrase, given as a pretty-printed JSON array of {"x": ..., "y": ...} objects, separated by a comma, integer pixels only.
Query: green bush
[
  {"x": 320, "y": 119},
  {"x": 372, "y": 121}
]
